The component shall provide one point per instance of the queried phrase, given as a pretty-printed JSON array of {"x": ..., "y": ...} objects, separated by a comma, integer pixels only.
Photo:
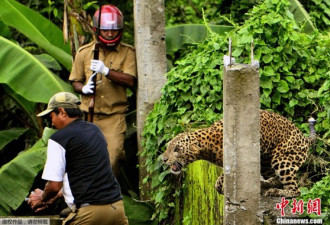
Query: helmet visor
[{"x": 109, "y": 21}]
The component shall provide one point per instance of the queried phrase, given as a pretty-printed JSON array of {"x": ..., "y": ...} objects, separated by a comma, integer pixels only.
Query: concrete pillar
[
  {"x": 149, "y": 23},
  {"x": 241, "y": 144}
]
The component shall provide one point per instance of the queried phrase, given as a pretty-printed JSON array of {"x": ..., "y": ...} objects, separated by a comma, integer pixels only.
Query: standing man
[
  {"x": 78, "y": 167},
  {"x": 116, "y": 70}
]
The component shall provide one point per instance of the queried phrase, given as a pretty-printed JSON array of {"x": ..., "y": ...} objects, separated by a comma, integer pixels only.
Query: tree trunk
[{"x": 149, "y": 24}]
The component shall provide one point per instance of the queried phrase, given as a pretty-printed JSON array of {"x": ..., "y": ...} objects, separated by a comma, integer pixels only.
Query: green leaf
[
  {"x": 267, "y": 58},
  {"x": 293, "y": 102},
  {"x": 266, "y": 83},
  {"x": 266, "y": 92},
  {"x": 179, "y": 35},
  {"x": 159, "y": 196},
  {"x": 290, "y": 79},
  {"x": 24, "y": 74},
  {"x": 289, "y": 110},
  {"x": 138, "y": 212},
  {"x": 237, "y": 52},
  {"x": 309, "y": 79},
  {"x": 246, "y": 39},
  {"x": 48, "y": 61},
  {"x": 301, "y": 16},
  {"x": 303, "y": 94},
  {"x": 313, "y": 94},
  {"x": 268, "y": 71},
  {"x": 37, "y": 28},
  {"x": 27, "y": 106},
  {"x": 6, "y": 136},
  {"x": 163, "y": 175},
  {"x": 4, "y": 30},
  {"x": 18, "y": 175},
  {"x": 282, "y": 86},
  {"x": 276, "y": 98}
]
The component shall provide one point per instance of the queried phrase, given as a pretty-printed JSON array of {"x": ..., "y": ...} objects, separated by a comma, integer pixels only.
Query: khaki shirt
[{"x": 110, "y": 97}]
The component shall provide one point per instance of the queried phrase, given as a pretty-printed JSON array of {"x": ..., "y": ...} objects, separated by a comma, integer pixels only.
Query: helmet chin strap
[{"x": 112, "y": 42}]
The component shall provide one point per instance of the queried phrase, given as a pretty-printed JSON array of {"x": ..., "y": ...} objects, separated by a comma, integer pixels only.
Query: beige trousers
[
  {"x": 111, "y": 214},
  {"x": 114, "y": 129}
]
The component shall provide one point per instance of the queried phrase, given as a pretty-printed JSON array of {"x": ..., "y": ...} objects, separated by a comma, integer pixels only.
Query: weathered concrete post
[
  {"x": 241, "y": 144},
  {"x": 149, "y": 23}
]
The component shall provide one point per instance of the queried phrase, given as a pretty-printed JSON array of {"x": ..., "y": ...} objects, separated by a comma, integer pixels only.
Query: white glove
[
  {"x": 88, "y": 88},
  {"x": 99, "y": 67}
]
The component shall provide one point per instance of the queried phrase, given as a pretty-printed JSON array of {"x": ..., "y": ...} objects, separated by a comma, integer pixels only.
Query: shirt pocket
[{"x": 116, "y": 67}]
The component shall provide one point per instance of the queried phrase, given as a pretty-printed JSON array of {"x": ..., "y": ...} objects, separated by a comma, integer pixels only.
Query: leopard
[{"x": 283, "y": 150}]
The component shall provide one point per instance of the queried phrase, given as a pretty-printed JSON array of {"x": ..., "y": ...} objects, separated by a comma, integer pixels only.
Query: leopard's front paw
[
  {"x": 219, "y": 189},
  {"x": 270, "y": 183},
  {"x": 275, "y": 192},
  {"x": 219, "y": 185}
]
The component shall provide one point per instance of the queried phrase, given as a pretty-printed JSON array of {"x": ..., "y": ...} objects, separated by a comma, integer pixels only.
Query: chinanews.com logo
[
  {"x": 292, "y": 221},
  {"x": 298, "y": 208}
]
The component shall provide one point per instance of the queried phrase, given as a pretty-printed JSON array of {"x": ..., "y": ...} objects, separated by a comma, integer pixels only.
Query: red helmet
[{"x": 111, "y": 19}]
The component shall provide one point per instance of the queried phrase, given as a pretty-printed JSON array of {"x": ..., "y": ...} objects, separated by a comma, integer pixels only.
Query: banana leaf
[
  {"x": 27, "y": 106},
  {"x": 27, "y": 76},
  {"x": 301, "y": 16},
  {"x": 37, "y": 28},
  {"x": 179, "y": 35},
  {"x": 6, "y": 136},
  {"x": 48, "y": 62},
  {"x": 18, "y": 175}
]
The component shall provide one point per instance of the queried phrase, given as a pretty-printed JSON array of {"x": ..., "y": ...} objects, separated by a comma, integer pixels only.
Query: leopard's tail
[{"x": 312, "y": 136}]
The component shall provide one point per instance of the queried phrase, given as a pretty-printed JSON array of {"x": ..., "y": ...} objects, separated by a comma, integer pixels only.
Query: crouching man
[{"x": 78, "y": 165}]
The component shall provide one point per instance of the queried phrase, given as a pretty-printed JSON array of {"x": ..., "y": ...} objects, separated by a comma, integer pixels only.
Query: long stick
[{"x": 96, "y": 56}]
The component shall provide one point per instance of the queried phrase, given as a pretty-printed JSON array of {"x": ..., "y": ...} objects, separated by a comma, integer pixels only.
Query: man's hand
[
  {"x": 35, "y": 200},
  {"x": 88, "y": 88},
  {"x": 99, "y": 67}
]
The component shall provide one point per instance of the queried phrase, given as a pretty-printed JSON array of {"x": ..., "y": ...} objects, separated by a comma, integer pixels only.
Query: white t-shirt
[{"x": 55, "y": 169}]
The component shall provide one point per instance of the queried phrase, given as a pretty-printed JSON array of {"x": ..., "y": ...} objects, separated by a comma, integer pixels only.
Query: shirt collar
[{"x": 117, "y": 48}]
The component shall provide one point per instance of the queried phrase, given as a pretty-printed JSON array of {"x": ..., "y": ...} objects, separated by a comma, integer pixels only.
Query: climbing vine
[{"x": 293, "y": 81}]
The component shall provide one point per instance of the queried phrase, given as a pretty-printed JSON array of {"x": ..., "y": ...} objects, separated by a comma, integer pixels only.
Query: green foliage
[
  {"x": 25, "y": 81},
  {"x": 52, "y": 10},
  {"x": 37, "y": 28},
  {"x": 320, "y": 190},
  {"x": 18, "y": 175},
  {"x": 293, "y": 78},
  {"x": 27, "y": 76},
  {"x": 301, "y": 16},
  {"x": 7, "y": 136},
  {"x": 138, "y": 213},
  {"x": 178, "y": 36},
  {"x": 319, "y": 11},
  {"x": 186, "y": 12},
  {"x": 183, "y": 12}
]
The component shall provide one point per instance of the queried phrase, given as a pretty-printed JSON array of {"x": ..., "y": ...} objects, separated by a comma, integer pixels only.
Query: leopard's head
[{"x": 180, "y": 151}]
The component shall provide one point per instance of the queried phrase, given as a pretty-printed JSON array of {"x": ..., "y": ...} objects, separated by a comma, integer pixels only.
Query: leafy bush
[
  {"x": 293, "y": 78},
  {"x": 319, "y": 11},
  {"x": 320, "y": 190},
  {"x": 181, "y": 11}
]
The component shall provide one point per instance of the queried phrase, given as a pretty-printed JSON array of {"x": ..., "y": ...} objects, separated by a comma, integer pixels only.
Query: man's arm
[
  {"x": 38, "y": 200},
  {"x": 116, "y": 77},
  {"x": 121, "y": 78},
  {"x": 77, "y": 86}
]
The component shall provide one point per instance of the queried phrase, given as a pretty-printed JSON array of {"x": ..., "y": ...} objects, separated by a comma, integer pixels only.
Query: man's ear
[{"x": 62, "y": 111}]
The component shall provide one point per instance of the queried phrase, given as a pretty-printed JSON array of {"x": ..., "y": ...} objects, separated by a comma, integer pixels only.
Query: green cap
[{"x": 61, "y": 99}]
